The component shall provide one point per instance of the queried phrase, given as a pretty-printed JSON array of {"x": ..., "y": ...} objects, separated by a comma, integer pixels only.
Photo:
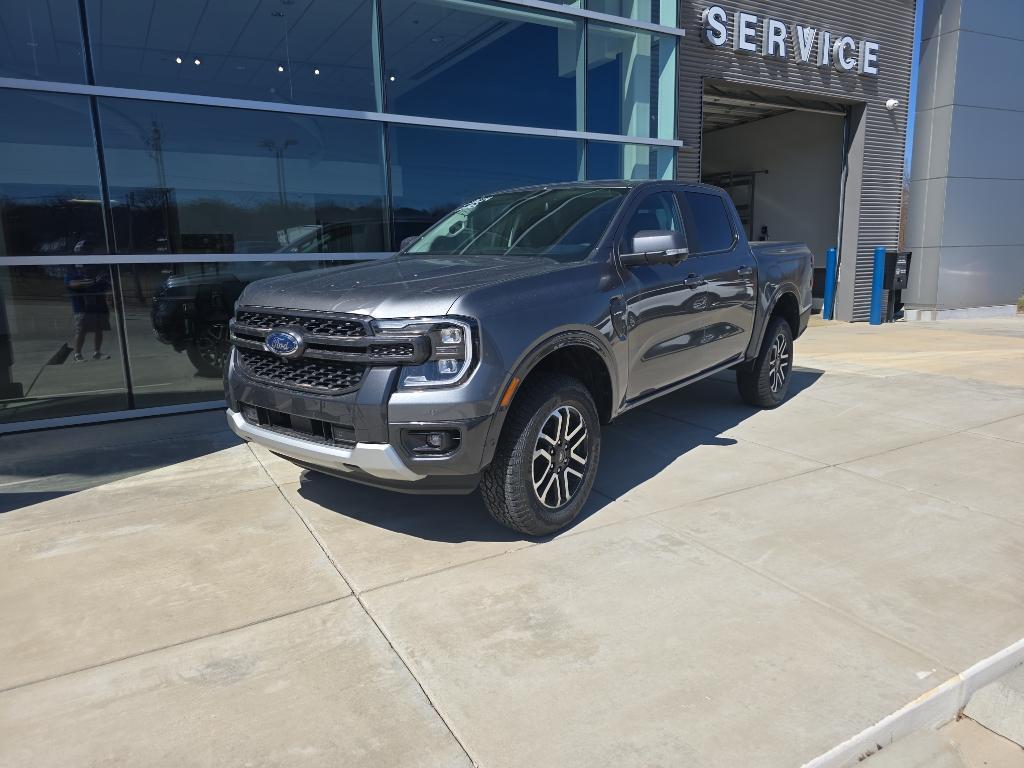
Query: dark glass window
[
  {"x": 435, "y": 170},
  {"x": 631, "y": 82},
  {"x": 50, "y": 316},
  {"x": 481, "y": 61},
  {"x": 563, "y": 223},
  {"x": 655, "y": 11},
  {"x": 657, "y": 211},
  {"x": 49, "y": 176},
  {"x": 176, "y": 318},
  {"x": 298, "y": 51},
  {"x": 606, "y": 160},
  {"x": 41, "y": 40},
  {"x": 711, "y": 226},
  {"x": 193, "y": 179}
]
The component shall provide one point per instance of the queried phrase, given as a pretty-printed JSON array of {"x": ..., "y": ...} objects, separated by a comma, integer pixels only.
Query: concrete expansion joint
[
  {"x": 357, "y": 594},
  {"x": 931, "y": 710},
  {"x": 851, "y": 617},
  {"x": 186, "y": 641}
]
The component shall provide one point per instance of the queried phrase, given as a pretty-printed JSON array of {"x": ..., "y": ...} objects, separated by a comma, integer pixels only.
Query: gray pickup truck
[{"x": 490, "y": 350}]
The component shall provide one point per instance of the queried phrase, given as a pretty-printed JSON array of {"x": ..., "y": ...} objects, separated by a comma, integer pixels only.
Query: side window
[
  {"x": 658, "y": 211},
  {"x": 710, "y": 224}
]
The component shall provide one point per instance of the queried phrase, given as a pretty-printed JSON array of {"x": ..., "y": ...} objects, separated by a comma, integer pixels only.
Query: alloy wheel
[
  {"x": 778, "y": 362},
  {"x": 212, "y": 344},
  {"x": 560, "y": 457}
]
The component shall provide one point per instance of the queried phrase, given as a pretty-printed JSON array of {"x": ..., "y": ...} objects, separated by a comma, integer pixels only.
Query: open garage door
[{"x": 782, "y": 159}]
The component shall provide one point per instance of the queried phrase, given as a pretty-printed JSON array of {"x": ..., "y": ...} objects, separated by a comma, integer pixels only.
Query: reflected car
[{"x": 191, "y": 312}]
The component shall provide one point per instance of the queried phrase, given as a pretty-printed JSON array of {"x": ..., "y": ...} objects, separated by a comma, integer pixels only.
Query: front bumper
[
  {"x": 376, "y": 416},
  {"x": 379, "y": 460}
]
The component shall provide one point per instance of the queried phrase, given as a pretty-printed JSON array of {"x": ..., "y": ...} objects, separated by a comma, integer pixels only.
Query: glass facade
[{"x": 163, "y": 155}]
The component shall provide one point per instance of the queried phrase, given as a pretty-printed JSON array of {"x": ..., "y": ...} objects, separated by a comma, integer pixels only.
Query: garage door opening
[{"x": 782, "y": 158}]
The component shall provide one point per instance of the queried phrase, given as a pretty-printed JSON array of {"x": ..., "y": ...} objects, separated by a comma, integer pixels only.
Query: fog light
[
  {"x": 448, "y": 367},
  {"x": 451, "y": 335},
  {"x": 433, "y": 443}
]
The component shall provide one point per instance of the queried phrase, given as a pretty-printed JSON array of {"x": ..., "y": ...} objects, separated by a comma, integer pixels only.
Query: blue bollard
[
  {"x": 877, "y": 280},
  {"x": 831, "y": 263}
]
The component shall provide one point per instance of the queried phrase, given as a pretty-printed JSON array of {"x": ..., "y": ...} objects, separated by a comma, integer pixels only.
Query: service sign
[{"x": 771, "y": 38}]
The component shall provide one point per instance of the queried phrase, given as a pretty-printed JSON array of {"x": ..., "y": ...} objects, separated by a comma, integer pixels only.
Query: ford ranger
[{"x": 489, "y": 351}]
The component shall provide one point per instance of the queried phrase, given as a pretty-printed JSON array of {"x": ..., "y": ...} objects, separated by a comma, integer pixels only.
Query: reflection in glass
[
  {"x": 316, "y": 52},
  {"x": 482, "y": 61},
  {"x": 561, "y": 223},
  {"x": 195, "y": 179},
  {"x": 655, "y": 11},
  {"x": 49, "y": 180},
  {"x": 434, "y": 170},
  {"x": 631, "y": 82},
  {"x": 176, "y": 318},
  {"x": 41, "y": 40},
  {"x": 607, "y": 160},
  {"x": 58, "y": 353}
]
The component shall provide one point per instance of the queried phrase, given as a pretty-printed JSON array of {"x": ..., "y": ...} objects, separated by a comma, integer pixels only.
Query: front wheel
[
  {"x": 208, "y": 351},
  {"x": 765, "y": 382},
  {"x": 547, "y": 456}
]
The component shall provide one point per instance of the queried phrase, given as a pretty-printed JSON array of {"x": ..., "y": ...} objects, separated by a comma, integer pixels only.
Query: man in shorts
[{"x": 88, "y": 285}]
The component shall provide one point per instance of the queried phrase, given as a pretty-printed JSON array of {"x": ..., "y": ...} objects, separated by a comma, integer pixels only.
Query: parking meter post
[
  {"x": 877, "y": 283},
  {"x": 831, "y": 267}
]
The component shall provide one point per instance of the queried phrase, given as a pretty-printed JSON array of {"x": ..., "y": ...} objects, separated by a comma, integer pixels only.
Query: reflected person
[{"x": 88, "y": 285}]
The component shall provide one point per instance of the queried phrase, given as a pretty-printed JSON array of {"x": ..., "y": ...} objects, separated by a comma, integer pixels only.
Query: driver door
[{"x": 664, "y": 321}]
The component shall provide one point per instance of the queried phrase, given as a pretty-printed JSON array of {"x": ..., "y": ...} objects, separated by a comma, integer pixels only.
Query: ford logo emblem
[{"x": 287, "y": 344}]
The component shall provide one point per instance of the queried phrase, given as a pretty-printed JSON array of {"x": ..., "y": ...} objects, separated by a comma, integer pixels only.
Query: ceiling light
[
  {"x": 391, "y": 78},
  {"x": 280, "y": 68},
  {"x": 197, "y": 62},
  {"x": 316, "y": 71},
  {"x": 177, "y": 59}
]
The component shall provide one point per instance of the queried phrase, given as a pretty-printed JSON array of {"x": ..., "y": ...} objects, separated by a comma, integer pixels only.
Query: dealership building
[{"x": 155, "y": 157}]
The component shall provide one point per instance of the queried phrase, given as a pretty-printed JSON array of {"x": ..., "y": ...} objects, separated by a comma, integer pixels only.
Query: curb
[{"x": 930, "y": 710}]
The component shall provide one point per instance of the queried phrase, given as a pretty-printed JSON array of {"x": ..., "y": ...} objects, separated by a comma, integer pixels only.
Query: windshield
[{"x": 563, "y": 223}]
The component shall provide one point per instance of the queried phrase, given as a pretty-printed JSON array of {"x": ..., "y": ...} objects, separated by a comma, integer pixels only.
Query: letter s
[{"x": 715, "y": 31}]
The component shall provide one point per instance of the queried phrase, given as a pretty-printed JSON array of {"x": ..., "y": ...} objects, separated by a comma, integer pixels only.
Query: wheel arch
[
  {"x": 576, "y": 353},
  {"x": 785, "y": 302}
]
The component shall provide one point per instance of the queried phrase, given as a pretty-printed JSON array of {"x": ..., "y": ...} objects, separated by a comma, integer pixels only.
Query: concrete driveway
[{"x": 745, "y": 588}]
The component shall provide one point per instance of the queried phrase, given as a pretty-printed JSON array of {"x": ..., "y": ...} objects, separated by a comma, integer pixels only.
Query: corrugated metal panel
[{"x": 887, "y": 22}]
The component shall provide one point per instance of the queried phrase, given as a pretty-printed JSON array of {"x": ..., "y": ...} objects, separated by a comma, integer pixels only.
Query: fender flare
[
  {"x": 757, "y": 338},
  {"x": 529, "y": 361}
]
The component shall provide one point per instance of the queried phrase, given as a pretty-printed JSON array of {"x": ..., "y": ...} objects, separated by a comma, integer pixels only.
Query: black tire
[
  {"x": 765, "y": 381},
  {"x": 507, "y": 485},
  {"x": 208, "y": 352}
]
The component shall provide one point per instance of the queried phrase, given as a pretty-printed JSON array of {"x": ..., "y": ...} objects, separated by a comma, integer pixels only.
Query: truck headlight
[{"x": 451, "y": 350}]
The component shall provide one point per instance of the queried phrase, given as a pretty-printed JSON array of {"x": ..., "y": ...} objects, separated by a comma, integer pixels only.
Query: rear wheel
[
  {"x": 765, "y": 382},
  {"x": 547, "y": 456}
]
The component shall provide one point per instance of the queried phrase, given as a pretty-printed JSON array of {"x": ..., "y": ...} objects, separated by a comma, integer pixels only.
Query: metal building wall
[
  {"x": 878, "y": 136},
  {"x": 967, "y": 183}
]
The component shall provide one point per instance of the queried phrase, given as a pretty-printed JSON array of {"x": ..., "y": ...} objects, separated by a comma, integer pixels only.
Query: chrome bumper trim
[{"x": 377, "y": 459}]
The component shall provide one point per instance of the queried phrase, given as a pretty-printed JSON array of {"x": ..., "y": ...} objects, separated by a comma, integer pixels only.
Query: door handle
[
  {"x": 694, "y": 281},
  {"x": 745, "y": 270}
]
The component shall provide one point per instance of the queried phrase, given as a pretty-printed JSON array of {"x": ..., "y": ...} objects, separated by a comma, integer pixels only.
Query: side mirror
[
  {"x": 408, "y": 241},
  {"x": 656, "y": 246}
]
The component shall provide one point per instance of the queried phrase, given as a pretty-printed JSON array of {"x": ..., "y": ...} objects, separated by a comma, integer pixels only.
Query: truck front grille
[
  {"x": 321, "y": 326},
  {"x": 322, "y": 376}
]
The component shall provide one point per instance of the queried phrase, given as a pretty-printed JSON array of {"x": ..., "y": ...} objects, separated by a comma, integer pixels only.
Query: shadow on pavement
[
  {"x": 464, "y": 518},
  {"x": 51, "y": 471}
]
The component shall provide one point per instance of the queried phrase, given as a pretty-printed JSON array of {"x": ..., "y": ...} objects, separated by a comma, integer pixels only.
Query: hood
[{"x": 404, "y": 286}]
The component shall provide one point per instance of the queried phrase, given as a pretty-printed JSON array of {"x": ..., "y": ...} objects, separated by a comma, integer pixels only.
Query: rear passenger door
[{"x": 724, "y": 261}]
